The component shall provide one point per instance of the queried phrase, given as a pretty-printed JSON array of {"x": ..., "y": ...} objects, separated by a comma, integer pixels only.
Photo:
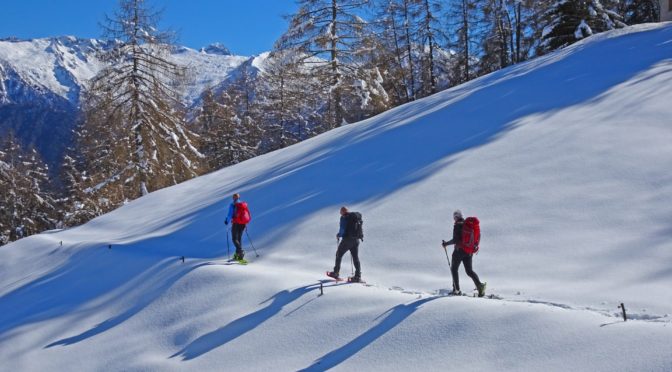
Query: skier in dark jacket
[
  {"x": 460, "y": 256},
  {"x": 349, "y": 234}
]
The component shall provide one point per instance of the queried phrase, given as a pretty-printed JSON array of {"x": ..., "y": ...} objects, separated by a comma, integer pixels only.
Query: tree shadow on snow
[
  {"x": 67, "y": 288},
  {"x": 152, "y": 290},
  {"x": 241, "y": 326},
  {"x": 394, "y": 317},
  {"x": 130, "y": 273}
]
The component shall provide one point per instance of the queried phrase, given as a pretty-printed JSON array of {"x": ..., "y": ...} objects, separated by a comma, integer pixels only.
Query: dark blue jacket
[{"x": 341, "y": 228}]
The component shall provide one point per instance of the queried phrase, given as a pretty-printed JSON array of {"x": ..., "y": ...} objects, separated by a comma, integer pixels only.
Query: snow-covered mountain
[
  {"x": 62, "y": 66},
  {"x": 565, "y": 160},
  {"x": 41, "y": 81}
]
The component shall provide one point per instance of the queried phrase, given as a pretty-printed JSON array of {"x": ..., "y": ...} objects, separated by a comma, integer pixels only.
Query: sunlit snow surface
[{"x": 564, "y": 159}]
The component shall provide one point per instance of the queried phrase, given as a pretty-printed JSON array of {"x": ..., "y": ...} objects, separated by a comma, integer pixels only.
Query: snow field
[{"x": 563, "y": 159}]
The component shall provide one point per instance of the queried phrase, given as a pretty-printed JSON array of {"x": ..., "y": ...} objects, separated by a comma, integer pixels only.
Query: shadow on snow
[
  {"x": 154, "y": 285},
  {"x": 241, "y": 326},
  {"x": 394, "y": 317}
]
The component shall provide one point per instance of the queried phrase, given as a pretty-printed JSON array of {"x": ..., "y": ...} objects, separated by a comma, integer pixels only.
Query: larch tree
[
  {"x": 224, "y": 135},
  {"x": 528, "y": 25},
  {"x": 464, "y": 26},
  {"x": 134, "y": 137},
  {"x": 289, "y": 108},
  {"x": 429, "y": 37},
  {"x": 328, "y": 35},
  {"x": 413, "y": 35},
  {"x": 26, "y": 206},
  {"x": 395, "y": 57},
  {"x": 498, "y": 41},
  {"x": 243, "y": 93},
  {"x": 78, "y": 206}
]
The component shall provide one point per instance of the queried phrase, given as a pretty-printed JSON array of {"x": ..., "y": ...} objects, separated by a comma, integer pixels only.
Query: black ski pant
[
  {"x": 237, "y": 237},
  {"x": 460, "y": 256},
  {"x": 352, "y": 245}
]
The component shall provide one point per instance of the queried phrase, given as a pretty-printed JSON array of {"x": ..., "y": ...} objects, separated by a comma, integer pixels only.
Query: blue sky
[{"x": 246, "y": 27}]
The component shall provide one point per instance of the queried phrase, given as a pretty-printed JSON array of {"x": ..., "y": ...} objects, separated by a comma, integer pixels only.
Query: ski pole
[
  {"x": 449, "y": 265},
  {"x": 250, "y": 240},
  {"x": 446, "y": 250}
]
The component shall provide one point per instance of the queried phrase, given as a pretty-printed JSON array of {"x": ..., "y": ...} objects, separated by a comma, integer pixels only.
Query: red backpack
[
  {"x": 241, "y": 215},
  {"x": 471, "y": 235}
]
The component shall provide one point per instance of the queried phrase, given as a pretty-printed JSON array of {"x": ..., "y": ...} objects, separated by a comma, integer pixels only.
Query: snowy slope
[{"x": 564, "y": 159}]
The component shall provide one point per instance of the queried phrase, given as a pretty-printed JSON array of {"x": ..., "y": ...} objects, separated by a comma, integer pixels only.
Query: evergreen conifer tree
[
  {"x": 641, "y": 11},
  {"x": 568, "y": 21}
]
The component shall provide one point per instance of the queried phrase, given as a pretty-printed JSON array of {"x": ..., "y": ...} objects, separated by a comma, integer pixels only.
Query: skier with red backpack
[
  {"x": 239, "y": 216},
  {"x": 466, "y": 237}
]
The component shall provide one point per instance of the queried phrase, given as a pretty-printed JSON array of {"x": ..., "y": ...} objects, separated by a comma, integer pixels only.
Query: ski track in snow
[{"x": 491, "y": 296}]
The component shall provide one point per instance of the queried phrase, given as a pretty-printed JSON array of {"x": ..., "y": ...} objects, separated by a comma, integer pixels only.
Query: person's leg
[
  {"x": 237, "y": 237},
  {"x": 455, "y": 265},
  {"x": 342, "y": 248},
  {"x": 470, "y": 271},
  {"x": 354, "y": 251}
]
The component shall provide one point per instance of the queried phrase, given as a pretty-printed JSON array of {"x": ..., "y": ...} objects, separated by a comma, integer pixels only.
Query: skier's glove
[
  {"x": 443, "y": 243},
  {"x": 226, "y": 222}
]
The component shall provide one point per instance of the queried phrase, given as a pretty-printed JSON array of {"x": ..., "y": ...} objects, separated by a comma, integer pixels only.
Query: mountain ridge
[{"x": 41, "y": 81}]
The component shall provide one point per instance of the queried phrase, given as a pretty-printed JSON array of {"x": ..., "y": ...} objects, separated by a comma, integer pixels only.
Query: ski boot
[
  {"x": 481, "y": 289},
  {"x": 240, "y": 258},
  {"x": 334, "y": 275}
]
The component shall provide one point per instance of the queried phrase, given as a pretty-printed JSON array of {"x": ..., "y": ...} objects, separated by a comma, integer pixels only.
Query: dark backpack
[
  {"x": 353, "y": 226},
  {"x": 471, "y": 235}
]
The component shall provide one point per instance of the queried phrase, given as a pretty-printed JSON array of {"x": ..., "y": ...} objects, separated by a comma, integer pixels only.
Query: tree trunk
[
  {"x": 428, "y": 29},
  {"x": 336, "y": 89},
  {"x": 465, "y": 25},
  {"x": 407, "y": 25},
  {"x": 519, "y": 30}
]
